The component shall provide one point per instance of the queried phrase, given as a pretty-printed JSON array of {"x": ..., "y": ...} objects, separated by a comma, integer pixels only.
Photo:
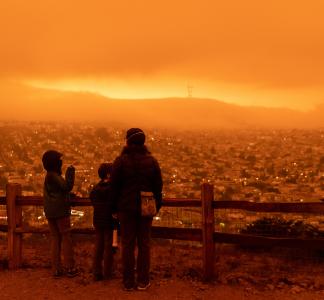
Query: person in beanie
[
  {"x": 57, "y": 211},
  {"x": 103, "y": 222},
  {"x": 135, "y": 170}
]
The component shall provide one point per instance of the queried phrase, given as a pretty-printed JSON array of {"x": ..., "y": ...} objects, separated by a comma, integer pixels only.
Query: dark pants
[
  {"x": 103, "y": 252},
  {"x": 60, "y": 230},
  {"x": 135, "y": 229}
]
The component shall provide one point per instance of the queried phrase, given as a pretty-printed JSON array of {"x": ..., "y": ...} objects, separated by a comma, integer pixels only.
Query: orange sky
[{"x": 248, "y": 52}]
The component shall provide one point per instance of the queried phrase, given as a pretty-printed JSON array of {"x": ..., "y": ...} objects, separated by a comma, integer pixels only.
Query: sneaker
[
  {"x": 143, "y": 286},
  {"x": 128, "y": 288},
  {"x": 72, "y": 272},
  {"x": 98, "y": 277},
  {"x": 58, "y": 273}
]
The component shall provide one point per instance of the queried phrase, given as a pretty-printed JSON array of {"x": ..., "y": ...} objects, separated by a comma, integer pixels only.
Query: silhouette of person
[{"x": 135, "y": 170}]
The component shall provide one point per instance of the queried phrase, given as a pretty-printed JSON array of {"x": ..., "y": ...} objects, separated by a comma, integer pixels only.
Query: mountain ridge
[{"x": 21, "y": 102}]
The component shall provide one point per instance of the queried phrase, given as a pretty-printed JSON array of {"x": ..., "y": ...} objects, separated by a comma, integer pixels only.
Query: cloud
[{"x": 267, "y": 44}]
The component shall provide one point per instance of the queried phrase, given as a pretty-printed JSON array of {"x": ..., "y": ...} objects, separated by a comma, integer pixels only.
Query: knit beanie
[{"x": 135, "y": 136}]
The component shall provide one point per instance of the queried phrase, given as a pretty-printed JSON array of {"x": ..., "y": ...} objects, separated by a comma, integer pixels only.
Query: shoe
[
  {"x": 58, "y": 273},
  {"x": 128, "y": 288},
  {"x": 98, "y": 277},
  {"x": 72, "y": 272},
  {"x": 143, "y": 286}
]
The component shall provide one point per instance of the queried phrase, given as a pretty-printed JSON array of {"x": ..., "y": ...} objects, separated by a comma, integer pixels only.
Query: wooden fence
[{"x": 206, "y": 234}]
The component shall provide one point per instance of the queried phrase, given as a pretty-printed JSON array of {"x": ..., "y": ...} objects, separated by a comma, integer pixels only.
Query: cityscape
[{"x": 254, "y": 165}]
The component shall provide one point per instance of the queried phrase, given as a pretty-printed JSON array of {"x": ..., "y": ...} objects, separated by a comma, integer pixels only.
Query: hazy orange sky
[{"x": 248, "y": 52}]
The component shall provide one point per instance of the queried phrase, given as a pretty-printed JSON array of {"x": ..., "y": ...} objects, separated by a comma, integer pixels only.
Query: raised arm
[{"x": 57, "y": 182}]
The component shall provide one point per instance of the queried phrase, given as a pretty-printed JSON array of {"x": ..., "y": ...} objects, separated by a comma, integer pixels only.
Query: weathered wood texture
[
  {"x": 292, "y": 207},
  {"x": 207, "y": 198},
  {"x": 206, "y": 234},
  {"x": 304, "y": 207},
  {"x": 185, "y": 234},
  {"x": 78, "y": 201},
  {"x": 14, "y": 214}
]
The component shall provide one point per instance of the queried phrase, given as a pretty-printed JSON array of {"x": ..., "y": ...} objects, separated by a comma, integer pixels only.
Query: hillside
[{"x": 26, "y": 103}]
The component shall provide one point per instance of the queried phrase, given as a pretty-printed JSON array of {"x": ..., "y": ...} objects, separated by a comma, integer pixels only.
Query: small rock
[
  {"x": 296, "y": 289},
  {"x": 286, "y": 281},
  {"x": 232, "y": 280},
  {"x": 304, "y": 284},
  {"x": 318, "y": 284},
  {"x": 281, "y": 285},
  {"x": 223, "y": 280}
]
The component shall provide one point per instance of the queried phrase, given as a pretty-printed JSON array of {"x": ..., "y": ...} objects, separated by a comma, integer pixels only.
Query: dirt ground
[{"x": 175, "y": 274}]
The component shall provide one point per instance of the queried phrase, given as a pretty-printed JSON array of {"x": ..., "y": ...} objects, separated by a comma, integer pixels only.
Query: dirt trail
[
  {"x": 175, "y": 274},
  {"x": 38, "y": 284}
]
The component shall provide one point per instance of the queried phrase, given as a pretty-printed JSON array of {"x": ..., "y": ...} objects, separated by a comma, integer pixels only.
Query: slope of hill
[{"x": 27, "y": 103}]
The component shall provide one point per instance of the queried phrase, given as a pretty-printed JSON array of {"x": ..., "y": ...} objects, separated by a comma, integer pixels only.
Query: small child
[
  {"x": 103, "y": 222},
  {"x": 58, "y": 211}
]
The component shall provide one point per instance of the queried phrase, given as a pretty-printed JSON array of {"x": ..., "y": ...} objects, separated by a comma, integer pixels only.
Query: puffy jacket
[
  {"x": 56, "y": 194},
  {"x": 101, "y": 199},
  {"x": 135, "y": 170}
]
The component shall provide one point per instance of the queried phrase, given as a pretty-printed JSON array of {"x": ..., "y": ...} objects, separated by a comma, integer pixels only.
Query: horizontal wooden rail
[
  {"x": 184, "y": 234},
  {"x": 289, "y": 207},
  {"x": 195, "y": 234},
  {"x": 178, "y": 202},
  {"x": 284, "y": 207},
  {"x": 267, "y": 242},
  {"x": 78, "y": 201}
]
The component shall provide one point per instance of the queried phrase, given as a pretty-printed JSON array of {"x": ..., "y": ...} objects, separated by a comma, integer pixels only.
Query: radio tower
[{"x": 190, "y": 89}]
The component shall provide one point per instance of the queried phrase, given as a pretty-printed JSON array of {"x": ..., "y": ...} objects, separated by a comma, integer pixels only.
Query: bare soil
[{"x": 175, "y": 274}]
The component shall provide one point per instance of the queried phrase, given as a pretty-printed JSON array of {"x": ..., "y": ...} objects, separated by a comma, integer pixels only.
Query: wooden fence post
[
  {"x": 207, "y": 198},
  {"x": 14, "y": 214}
]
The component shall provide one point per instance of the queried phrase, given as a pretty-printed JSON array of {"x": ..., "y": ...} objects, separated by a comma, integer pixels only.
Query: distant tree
[
  {"x": 291, "y": 179},
  {"x": 251, "y": 159},
  {"x": 283, "y": 172},
  {"x": 245, "y": 173},
  {"x": 261, "y": 185},
  {"x": 270, "y": 169},
  {"x": 103, "y": 134}
]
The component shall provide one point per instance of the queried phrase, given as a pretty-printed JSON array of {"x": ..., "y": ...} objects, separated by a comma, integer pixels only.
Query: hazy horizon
[
  {"x": 29, "y": 103},
  {"x": 247, "y": 53}
]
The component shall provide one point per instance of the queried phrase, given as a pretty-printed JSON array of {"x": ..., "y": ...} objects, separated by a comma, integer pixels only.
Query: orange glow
[{"x": 245, "y": 52}]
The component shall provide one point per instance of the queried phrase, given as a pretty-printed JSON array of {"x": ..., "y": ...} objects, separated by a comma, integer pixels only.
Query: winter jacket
[
  {"x": 101, "y": 199},
  {"x": 56, "y": 194},
  {"x": 135, "y": 170}
]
